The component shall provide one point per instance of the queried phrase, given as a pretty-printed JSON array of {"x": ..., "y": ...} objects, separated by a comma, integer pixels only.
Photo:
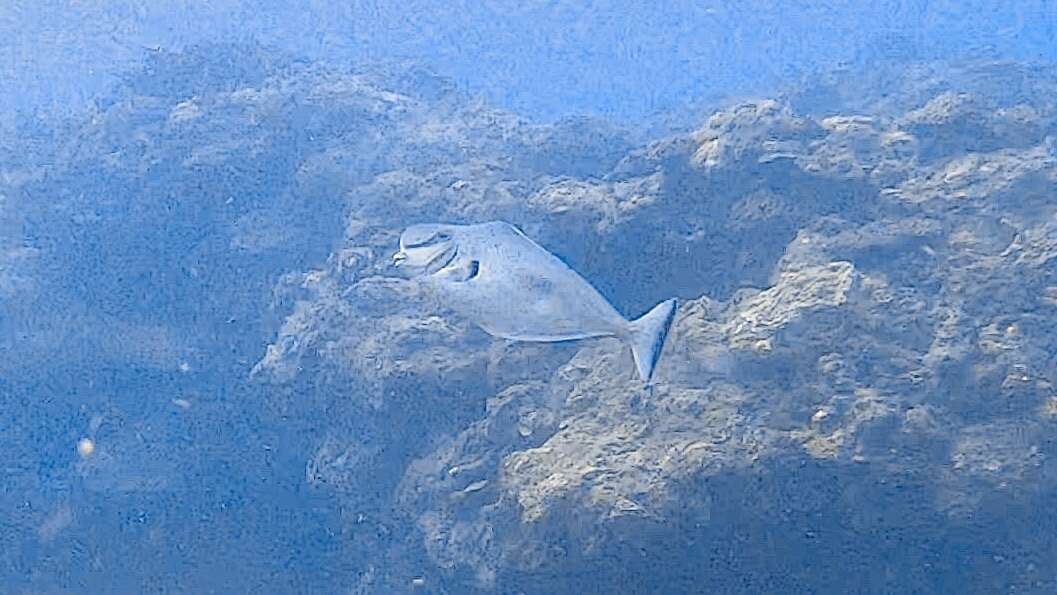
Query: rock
[
  {"x": 764, "y": 129},
  {"x": 861, "y": 368}
]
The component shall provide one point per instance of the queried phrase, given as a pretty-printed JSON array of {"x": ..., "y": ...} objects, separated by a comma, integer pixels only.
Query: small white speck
[
  {"x": 85, "y": 447},
  {"x": 185, "y": 367},
  {"x": 819, "y": 416}
]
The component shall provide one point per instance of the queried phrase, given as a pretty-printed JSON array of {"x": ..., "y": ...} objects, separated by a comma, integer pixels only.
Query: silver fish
[{"x": 511, "y": 287}]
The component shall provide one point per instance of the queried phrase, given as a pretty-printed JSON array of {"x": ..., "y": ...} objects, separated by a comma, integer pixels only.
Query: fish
[{"x": 511, "y": 287}]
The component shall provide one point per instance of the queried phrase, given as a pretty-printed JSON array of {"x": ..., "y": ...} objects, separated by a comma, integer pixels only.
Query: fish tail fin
[{"x": 647, "y": 336}]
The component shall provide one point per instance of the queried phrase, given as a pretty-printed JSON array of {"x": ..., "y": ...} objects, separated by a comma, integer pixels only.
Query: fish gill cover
[{"x": 857, "y": 392}]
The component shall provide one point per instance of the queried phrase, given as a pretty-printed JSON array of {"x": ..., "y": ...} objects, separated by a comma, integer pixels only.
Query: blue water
[{"x": 213, "y": 381}]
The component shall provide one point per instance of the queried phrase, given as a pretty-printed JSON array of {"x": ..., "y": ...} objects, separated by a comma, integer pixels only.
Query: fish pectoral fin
[{"x": 474, "y": 269}]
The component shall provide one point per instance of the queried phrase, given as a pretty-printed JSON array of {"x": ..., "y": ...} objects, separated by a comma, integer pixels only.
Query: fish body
[{"x": 513, "y": 288}]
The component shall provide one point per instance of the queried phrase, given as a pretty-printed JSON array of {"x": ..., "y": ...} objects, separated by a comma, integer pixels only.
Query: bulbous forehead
[{"x": 423, "y": 233}]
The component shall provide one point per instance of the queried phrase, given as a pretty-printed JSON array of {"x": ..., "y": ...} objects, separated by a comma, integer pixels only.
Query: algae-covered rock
[{"x": 860, "y": 375}]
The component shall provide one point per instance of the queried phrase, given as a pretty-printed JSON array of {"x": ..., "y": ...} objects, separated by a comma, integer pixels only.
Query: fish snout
[{"x": 399, "y": 258}]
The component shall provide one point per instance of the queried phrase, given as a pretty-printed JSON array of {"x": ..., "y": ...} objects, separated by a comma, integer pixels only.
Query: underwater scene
[{"x": 528, "y": 297}]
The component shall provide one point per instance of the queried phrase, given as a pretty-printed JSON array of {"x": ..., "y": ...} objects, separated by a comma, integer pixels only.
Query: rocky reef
[{"x": 857, "y": 394}]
